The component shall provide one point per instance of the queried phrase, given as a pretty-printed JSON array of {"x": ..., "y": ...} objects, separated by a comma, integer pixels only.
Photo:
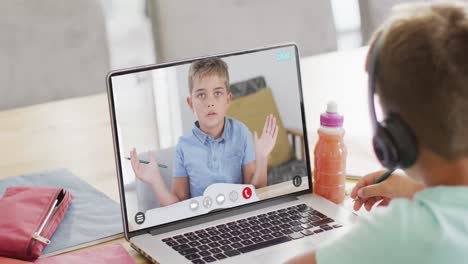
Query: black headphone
[{"x": 394, "y": 143}]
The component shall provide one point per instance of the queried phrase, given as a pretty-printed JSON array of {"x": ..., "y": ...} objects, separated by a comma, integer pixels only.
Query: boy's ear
[
  {"x": 229, "y": 97},
  {"x": 189, "y": 102}
]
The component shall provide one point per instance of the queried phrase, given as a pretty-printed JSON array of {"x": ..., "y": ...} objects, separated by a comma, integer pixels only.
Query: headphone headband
[
  {"x": 394, "y": 143},
  {"x": 372, "y": 71}
]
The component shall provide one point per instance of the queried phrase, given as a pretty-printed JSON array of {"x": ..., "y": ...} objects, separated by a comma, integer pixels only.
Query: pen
[
  {"x": 384, "y": 176},
  {"x": 147, "y": 162},
  {"x": 37, "y": 235},
  {"x": 380, "y": 179}
]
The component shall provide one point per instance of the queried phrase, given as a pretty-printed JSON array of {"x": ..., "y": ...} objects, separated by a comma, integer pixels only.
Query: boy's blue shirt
[
  {"x": 205, "y": 160},
  {"x": 433, "y": 228}
]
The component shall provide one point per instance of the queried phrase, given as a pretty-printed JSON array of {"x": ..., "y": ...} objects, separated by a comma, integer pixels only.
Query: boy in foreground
[{"x": 422, "y": 77}]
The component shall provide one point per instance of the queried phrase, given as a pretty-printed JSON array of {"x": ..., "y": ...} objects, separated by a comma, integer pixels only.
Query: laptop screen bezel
[{"x": 129, "y": 234}]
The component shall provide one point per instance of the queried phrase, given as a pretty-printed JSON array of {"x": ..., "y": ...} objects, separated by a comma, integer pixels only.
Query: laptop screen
[{"x": 208, "y": 134}]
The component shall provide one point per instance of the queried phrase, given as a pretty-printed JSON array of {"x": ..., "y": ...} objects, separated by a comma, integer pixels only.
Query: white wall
[
  {"x": 280, "y": 76},
  {"x": 135, "y": 115}
]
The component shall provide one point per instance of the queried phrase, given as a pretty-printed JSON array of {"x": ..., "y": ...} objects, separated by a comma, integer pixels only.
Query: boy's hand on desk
[
  {"x": 266, "y": 142},
  {"x": 396, "y": 186},
  {"x": 148, "y": 173}
]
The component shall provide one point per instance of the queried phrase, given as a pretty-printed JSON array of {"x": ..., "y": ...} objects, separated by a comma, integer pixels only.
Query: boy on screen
[{"x": 219, "y": 149}]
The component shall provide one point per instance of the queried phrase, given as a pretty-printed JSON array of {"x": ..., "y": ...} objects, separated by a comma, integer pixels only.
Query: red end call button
[{"x": 247, "y": 193}]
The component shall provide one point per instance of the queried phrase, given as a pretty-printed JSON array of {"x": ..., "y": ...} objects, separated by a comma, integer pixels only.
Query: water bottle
[{"x": 330, "y": 156}]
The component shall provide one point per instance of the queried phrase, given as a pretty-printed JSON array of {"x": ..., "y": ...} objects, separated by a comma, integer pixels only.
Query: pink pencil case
[{"x": 30, "y": 216}]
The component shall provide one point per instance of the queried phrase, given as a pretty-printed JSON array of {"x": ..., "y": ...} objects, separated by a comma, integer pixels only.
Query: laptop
[{"x": 184, "y": 193}]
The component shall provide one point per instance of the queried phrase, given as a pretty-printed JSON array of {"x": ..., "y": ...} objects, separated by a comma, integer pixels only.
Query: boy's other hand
[
  {"x": 396, "y": 186},
  {"x": 148, "y": 173},
  {"x": 266, "y": 142}
]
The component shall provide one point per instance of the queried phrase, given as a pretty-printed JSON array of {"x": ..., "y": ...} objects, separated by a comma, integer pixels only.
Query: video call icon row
[{"x": 220, "y": 199}]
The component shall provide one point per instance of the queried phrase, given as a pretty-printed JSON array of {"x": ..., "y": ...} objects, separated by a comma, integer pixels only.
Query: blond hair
[
  {"x": 207, "y": 67},
  {"x": 423, "y": 74}
]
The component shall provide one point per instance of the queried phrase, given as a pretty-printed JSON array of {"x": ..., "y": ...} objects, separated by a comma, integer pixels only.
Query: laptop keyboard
[{"x": 256, "y": 232}]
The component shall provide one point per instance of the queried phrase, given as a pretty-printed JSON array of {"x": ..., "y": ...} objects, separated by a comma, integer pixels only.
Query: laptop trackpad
[{"x": 286, "y": 251}]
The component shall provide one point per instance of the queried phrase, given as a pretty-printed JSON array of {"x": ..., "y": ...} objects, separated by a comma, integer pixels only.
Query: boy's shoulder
[
  {"x": 435, "y": 209},
  {"x": 402, "y": 214},
  {"x": 236, "y": 125},
  {"x": 408, "y": 228},
  {"x": 187, "y": 140}
]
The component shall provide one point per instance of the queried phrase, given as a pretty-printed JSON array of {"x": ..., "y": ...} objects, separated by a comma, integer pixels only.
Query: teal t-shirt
[{"x": 432, "y": 228}]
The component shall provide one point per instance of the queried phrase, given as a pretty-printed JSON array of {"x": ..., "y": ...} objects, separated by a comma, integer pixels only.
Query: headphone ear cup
[
  {"x": 403, "y": 140},
  {"x": 384, "y": 148}
]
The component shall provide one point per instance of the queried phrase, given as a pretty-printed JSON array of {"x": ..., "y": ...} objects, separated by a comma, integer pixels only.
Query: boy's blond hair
[
  {"x": 207, "y": 67},
  {"x": 423, "y": 74}
]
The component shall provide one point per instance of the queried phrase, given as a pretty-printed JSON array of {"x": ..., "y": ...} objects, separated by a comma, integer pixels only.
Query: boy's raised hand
[
  {"x": 148, "y": 173},
  {"x": 266, "y": 142}
]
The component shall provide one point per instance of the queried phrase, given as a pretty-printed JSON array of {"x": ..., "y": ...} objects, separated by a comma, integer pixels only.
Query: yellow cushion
[{"x": 252, "y": 110}]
